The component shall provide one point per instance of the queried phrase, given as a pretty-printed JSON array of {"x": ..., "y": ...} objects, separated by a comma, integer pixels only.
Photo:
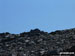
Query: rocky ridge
[{"x": 37, "y": 43}]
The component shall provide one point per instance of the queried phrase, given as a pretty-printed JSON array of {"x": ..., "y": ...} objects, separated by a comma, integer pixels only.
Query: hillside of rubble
[{"x": 37, "y": 43}]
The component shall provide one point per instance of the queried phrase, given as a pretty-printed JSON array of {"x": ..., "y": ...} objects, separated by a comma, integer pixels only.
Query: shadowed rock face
[{"x": 37, "y": 43}]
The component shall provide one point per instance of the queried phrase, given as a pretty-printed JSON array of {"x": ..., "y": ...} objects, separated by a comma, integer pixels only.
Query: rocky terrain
[{"x": 37, "y": 43}]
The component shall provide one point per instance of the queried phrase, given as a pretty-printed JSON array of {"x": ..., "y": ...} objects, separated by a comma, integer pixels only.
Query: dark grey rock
[{"x": 37, "y": 43}]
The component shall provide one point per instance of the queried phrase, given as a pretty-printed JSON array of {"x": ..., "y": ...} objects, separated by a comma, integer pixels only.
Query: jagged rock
[{"x": 35, "y": 31}]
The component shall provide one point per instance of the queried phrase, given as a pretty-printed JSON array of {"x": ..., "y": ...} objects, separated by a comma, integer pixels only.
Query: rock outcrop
[{"x": 37, "y": 43}]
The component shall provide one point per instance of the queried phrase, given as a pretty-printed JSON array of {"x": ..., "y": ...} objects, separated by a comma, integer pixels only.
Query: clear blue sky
[{"x": 49, "y": 15}]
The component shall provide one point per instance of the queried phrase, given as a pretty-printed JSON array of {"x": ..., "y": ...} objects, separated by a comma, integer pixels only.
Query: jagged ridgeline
[{"x": 37, "y": 43}]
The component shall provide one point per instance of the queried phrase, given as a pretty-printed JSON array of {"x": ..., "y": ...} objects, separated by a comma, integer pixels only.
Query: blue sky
[{"x": 17, "y": 16}]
